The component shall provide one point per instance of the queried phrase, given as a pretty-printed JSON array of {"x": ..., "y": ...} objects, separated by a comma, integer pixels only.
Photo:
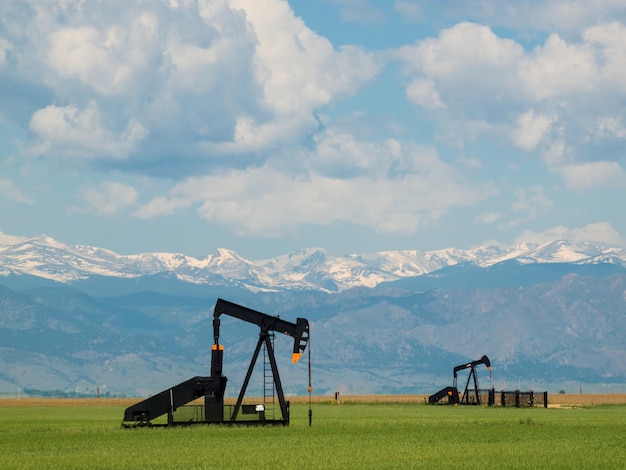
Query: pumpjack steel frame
[
  {"x": 212, "y": 388},
  {"x": 452, "y": 393}
]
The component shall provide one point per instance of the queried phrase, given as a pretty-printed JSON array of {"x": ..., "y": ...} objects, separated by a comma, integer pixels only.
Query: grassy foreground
[{"x": 352, "y": 435}]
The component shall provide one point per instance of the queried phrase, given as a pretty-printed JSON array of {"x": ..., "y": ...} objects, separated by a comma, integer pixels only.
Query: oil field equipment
[
  {"x": 471, "y": 396},
  {"x": 174, "y": 401}
]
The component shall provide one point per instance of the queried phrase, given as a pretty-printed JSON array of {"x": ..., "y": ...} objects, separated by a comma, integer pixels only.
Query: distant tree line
[{"x": 34, "y": 392}]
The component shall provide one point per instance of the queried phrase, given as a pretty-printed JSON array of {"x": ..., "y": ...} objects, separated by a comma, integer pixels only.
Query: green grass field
[{"x": 362, "y": 436}]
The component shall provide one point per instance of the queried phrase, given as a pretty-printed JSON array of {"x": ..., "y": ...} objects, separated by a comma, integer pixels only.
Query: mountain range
[
  {"x": 82, "y": 318},
  {"x": 308, "y": 269}
]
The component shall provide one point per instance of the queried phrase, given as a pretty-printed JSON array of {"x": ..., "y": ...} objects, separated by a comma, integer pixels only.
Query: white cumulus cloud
[
  {"x": 108, "y": 198},
  {"x": 559, "y": 99},
  {"x": 592, "y": 175},
  {"x": 531, "y": 129},
  {"x": 70, "y": 132},
  {"x": 393, "y": 187},
  {"x": 9, "y": 190},
  {"x": 600, "y": 232},
  {"x": 191, "y": 81}
]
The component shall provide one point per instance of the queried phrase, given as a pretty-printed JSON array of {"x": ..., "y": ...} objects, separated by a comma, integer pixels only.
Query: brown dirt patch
[
  {"x": 557, "y": 399},
  {"x": 6, "y": 402},
  {"x": 580, "y": 399}
]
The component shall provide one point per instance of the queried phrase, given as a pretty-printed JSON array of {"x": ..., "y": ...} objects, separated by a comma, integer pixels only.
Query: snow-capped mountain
[
  {"x": 74, "y": 316},
  {"x": 309, "y": 269}
]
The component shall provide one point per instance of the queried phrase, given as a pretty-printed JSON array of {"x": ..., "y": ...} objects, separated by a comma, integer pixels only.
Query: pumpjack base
[
  {"x": 191, "y": 415},
  {"x": 135, "y": 425}
]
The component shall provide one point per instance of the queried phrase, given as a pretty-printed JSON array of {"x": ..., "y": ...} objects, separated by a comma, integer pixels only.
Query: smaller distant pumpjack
[
  {"x": 452, "y": 393},
  {"x": 212, "y": 388}
]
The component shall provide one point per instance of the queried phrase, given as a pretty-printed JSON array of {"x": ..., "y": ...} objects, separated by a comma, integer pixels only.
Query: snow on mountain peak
[
  {"x": 226, "y": 259},
  {"x": 296, "y": 259},
  {"x": 561, "y": 251},
  {"x": 225, "y": 253},
  {"x": 311, "y": 268},
  {"x": 9, "y": 239}
]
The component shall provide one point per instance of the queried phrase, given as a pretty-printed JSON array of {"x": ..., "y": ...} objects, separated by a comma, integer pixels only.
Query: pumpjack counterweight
[{"x": 212, "y": 388}]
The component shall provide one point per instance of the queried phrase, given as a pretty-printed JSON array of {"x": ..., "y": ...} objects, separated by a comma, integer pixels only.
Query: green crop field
[{"x": 362, "y": 436}]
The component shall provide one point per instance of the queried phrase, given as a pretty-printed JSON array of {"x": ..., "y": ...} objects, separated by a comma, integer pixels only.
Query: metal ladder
[{"x": 269, "y": 388}]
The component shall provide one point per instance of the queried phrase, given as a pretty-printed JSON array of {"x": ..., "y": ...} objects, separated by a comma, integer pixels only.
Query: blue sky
[{"x": 267, "y": 126}]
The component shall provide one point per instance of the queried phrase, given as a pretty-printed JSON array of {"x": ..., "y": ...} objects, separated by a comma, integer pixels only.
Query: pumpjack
[
  {"x": 212, "y": 387},
  {"x": 452, "y": 393}
]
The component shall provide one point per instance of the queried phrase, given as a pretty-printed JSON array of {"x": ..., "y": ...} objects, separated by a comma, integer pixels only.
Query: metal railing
[{"x": 524, "y": 399}]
